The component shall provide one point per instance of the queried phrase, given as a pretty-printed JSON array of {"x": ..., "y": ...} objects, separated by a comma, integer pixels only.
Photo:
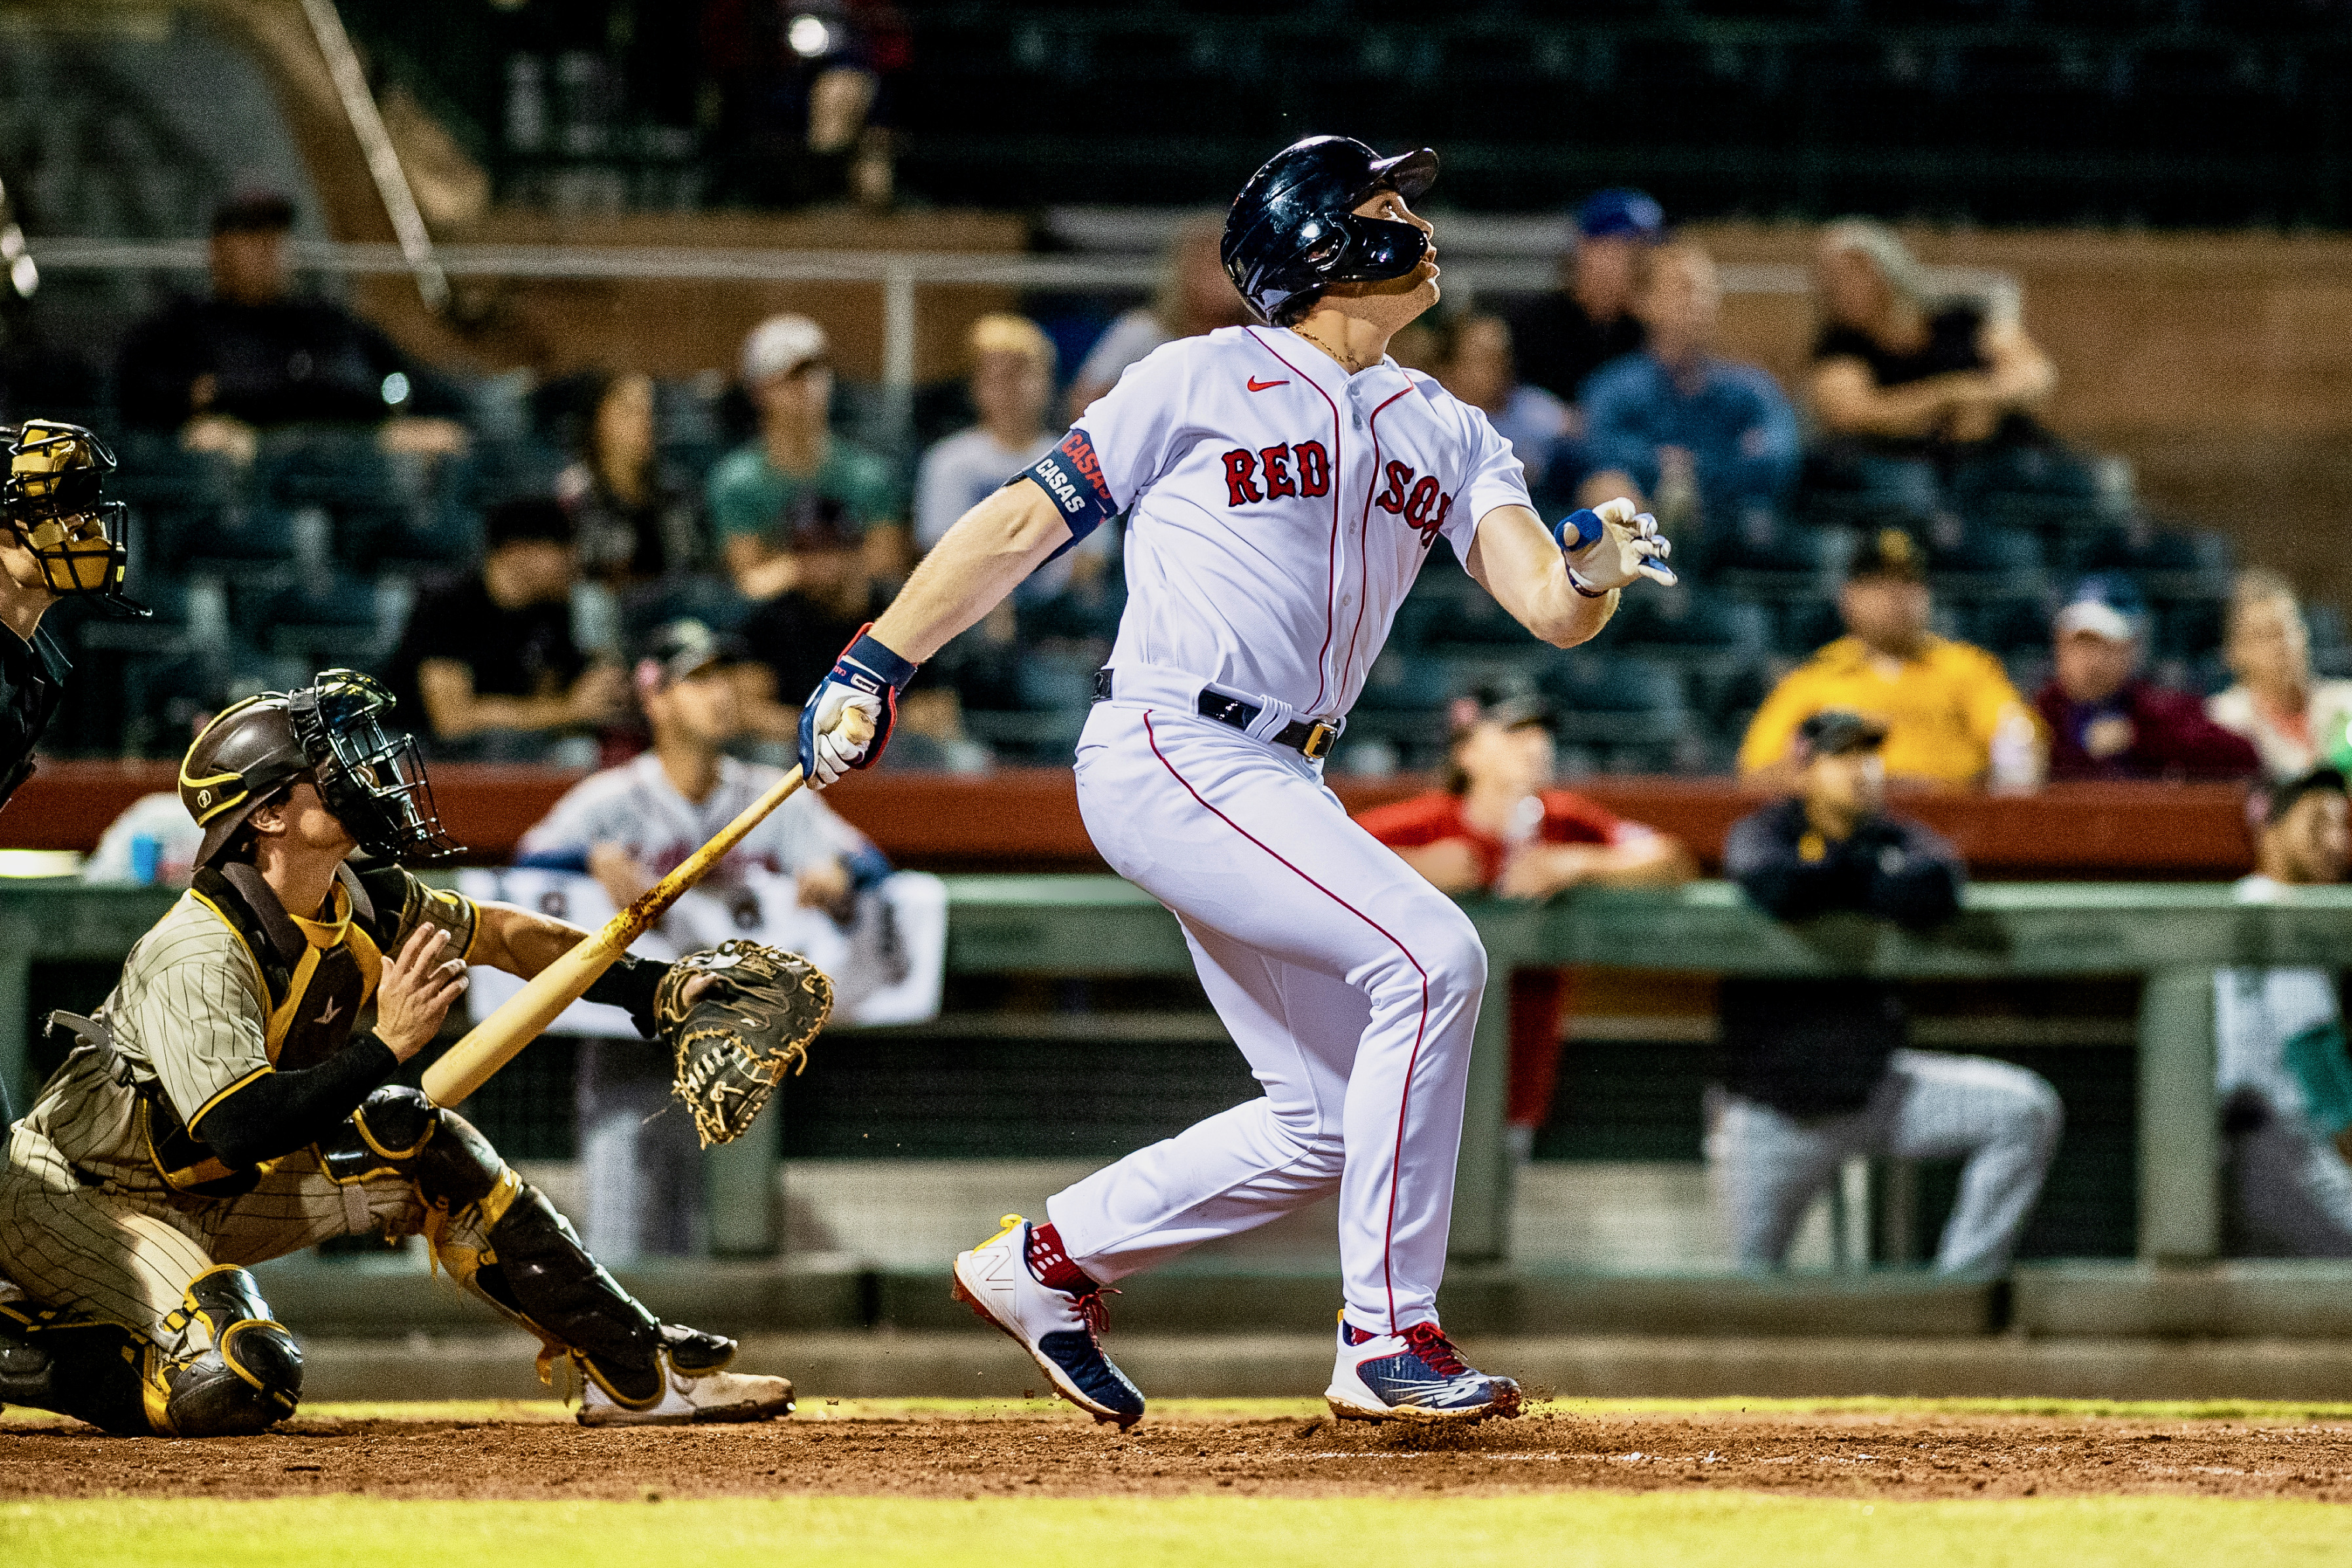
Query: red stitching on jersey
[
  {"x": 1421, "y": 1030},
  {"x": 1331, "y": 556},
  {"x": 1364, "y": 538}
]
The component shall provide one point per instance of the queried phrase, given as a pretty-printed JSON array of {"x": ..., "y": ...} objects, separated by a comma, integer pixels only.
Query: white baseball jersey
[
  {"x": 1278, "y": 510},
  {"x": 636, "y": 806},
  {"x": 1282, "y": 507}
]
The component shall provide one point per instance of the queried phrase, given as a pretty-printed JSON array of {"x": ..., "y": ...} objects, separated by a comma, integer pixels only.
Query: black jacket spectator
[
  {"x": 1816, "y": 1048},
  {"x": 281, "y": 362}
]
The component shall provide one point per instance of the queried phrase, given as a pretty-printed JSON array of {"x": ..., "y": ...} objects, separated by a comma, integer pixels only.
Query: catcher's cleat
[
  {"x": 696, "y": 1386},
  {"x": 1061, "y": 1329},
  {"x": 1416, "y": 1375}
]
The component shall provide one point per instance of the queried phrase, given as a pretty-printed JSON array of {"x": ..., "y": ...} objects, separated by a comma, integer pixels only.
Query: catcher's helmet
[
  {"x": 1293, "y": 230},
  {"x": 331, "y": 733},
  {"x": 56, "y": 474}
]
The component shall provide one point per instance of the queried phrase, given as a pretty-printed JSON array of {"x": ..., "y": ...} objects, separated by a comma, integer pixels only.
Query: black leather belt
[{"x": 1311, "y": 738}]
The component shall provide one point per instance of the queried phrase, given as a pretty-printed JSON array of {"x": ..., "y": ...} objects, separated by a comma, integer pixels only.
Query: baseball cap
[
  {"x": 2266, "y": 803},
  {"x": 2104, "y": 605},
  {"x": 1509, "y": 706},
  {"x": 254, "y": 211},
  {"x": 780, "y": 345},
  {"x": 1888, "y": 552},
  {"x": 1621, "y": 212},
  {"x": 1835, "y": 731},
  {"x": 678, "y": 650},
  {"x": 525, "y": 519}
]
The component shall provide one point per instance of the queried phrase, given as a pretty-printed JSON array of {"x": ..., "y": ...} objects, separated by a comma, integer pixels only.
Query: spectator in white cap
[
  {"x": 2106, "y": 719},
  {"x": 763, "y": 491}
]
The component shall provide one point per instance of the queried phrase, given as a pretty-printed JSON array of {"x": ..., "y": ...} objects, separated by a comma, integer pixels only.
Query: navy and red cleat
[
  {"x": 1060, "y": 1328},
  {"x": 1416, "y": 1375}
]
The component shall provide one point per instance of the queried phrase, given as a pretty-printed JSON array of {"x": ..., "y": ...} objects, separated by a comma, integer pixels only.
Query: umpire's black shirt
[
  {"x": 32, "y": 681},
  {"x": 1817, "y": 1048}
]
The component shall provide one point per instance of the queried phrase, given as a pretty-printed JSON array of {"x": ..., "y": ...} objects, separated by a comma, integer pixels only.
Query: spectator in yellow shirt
[{"x": 1952, "y": 719}]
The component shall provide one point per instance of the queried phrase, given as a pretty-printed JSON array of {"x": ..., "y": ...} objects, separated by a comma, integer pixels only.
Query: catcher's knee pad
[
  {"x": 536, "y": 1271},
  {"x": 250, "y": 1379},
  {"x": 398, "y": 1128},
  {"x": 93, "y": 1370}
]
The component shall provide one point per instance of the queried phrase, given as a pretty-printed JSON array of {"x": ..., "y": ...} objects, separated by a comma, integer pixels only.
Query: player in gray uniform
[
  {"x": 628, "y": 826},
  {"x": 224, "y": 1106}
]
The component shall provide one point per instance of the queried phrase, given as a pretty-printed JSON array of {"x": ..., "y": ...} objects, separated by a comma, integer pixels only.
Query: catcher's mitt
[{"x": 733, "y": 1041}]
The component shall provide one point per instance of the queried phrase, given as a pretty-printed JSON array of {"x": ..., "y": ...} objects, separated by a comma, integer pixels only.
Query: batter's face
[{"x": 1398, "y": 299}]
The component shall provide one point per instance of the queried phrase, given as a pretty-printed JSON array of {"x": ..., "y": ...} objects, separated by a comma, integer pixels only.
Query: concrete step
[
  {"x": 888, "y": 1364},
  {"x": 2253, "y": 1298}
]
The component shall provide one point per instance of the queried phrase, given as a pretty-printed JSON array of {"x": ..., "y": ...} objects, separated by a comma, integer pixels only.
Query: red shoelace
[{"x": 1429, "y": 1343}]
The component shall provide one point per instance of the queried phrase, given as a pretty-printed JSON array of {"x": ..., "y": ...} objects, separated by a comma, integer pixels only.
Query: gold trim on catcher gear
[{"x": 732, "y": 1042}]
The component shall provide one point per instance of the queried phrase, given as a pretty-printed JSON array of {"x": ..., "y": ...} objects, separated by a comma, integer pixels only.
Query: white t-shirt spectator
[
  {"x": 2289, "y": 753},
  {"x": 961, "y": 471}
]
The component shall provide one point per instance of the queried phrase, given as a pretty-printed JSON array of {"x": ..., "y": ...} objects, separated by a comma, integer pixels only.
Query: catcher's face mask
[
  {"x": 370, "y": 775},
  {"x": 56, "y": 474}
]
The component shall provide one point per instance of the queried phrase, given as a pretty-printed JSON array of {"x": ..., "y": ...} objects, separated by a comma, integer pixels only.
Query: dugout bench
[{"x": 2171, "y": 935}]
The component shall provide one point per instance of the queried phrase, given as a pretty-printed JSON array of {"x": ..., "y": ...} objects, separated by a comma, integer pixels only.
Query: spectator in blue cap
[
  {"x": 2108, "y": 720},
  {"x": 1561, "y": 337}
]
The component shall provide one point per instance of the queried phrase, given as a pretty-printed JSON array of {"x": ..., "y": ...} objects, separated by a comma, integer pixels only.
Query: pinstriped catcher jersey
[
  {"x": 225, "y": 987},
  {"x": 1281, "y": 506}
]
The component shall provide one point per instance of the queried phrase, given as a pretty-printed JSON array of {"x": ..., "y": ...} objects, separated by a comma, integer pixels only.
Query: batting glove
[
  {"x": 1609, "y": 546},
  {"x": 868, "y": 677}
]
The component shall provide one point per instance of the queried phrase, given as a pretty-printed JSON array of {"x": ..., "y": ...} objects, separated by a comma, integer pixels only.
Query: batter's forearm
[{"x": 984, "y": 558}]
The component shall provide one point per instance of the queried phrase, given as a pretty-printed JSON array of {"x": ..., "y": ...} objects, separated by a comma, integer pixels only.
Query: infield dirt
[{"x": 1846, "y": 1455}]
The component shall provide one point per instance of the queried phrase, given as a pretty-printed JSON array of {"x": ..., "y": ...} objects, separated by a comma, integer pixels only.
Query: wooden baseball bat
[{"x": 523, "y": 1016}]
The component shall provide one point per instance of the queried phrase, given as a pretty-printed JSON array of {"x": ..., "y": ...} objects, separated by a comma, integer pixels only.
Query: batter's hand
[
  {"x": 867, "y": 679},
  {"x": 1611, "y": 545},
  {"x": 417, "y": 992}
]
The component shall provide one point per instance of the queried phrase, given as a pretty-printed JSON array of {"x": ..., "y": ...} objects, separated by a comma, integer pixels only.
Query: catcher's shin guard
[
  {"x": 93, "y": 1370},
  {"x": 513, "y": 1248},
  {"x": 248, "y": 1379}
]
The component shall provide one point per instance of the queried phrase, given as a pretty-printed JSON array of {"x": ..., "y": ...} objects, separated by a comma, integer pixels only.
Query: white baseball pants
[{"x": 1349, "y": 982}]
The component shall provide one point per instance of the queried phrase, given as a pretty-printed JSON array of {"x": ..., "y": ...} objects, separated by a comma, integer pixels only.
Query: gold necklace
[{"x": 1344, "y": 362}]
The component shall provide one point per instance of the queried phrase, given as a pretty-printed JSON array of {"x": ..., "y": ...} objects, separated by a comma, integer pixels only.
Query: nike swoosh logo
[{"x": 1257, "y": 385}]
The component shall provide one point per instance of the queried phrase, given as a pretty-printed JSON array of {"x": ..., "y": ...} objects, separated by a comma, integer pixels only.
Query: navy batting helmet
[{"x": 1294, "y": 230}]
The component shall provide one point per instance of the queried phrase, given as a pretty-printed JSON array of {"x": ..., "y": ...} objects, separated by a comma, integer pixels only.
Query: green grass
[{"x": 1598, "y": 1529}]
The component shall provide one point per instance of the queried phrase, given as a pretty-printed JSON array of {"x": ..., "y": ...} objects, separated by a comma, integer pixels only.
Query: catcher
[{"x": 224, "y": 1105}]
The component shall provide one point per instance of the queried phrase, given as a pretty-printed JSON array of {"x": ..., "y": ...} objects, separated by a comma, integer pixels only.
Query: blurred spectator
[
  {"x": 252, "y": 355},
  {"x": 1471, "y": 357},
  {"x": 1908, "y": 382},
  {"x": 2106, "y": 720},
  {"x": 1699, "y": 436},
  {"x": 1816, "y": 1071},
  {"x": 1012, "y": 381},
  {"x": 2296, "y": 723},
  {"x": 1499, "y": 825},
  {"x": 793, "y": 637},
  {"x": 152, "y": 843},
  {"x": 635, "y": 521},
  {"x": 1564, "y": 336},
  {"x": 1195, "y": 296},
  {"x": 487, "y": 657},
  {"x": 803, "y": 100},
  {"x": 2282, "y": 1074},
  {"x": 628, "y": 827},
  {"x": 764, "y": 493},
  {"x": 1951, "y": 716}
]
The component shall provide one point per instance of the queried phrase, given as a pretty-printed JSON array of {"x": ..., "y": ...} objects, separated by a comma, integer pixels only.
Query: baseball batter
[
  {"x": 223, "y": 1108},
  {"x": 1283, "y": 484}
]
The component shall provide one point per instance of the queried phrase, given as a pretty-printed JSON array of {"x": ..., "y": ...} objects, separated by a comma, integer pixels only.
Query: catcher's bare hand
[
  {"x": 1629, "y": 548},
  {"x": 417, "y": 990}
]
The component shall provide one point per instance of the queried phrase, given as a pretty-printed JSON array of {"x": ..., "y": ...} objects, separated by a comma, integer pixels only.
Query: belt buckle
[{"x": 1320, "y": 736}]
